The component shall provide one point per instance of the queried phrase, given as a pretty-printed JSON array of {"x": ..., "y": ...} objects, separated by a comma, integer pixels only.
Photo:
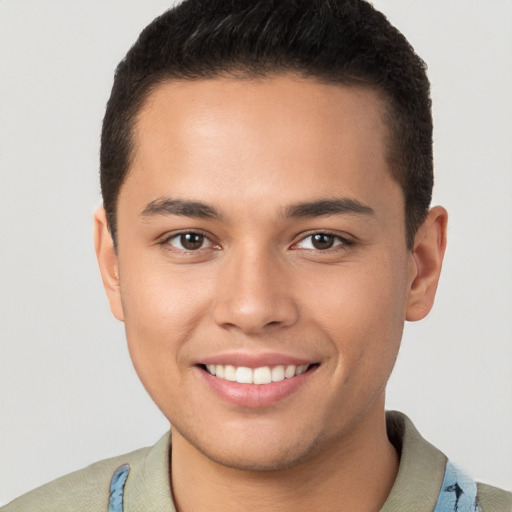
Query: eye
[
  {"x": 190, "y": 241},
  {"x": 321, "y": 241}
]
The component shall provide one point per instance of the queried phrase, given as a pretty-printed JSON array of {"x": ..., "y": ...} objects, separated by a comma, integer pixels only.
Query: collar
[
  {"x": 421, "y": 471},
  {"x": 417, "y": 485}
]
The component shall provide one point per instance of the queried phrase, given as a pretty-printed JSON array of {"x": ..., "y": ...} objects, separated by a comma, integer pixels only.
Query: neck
[{"x": 356, "y": 473}]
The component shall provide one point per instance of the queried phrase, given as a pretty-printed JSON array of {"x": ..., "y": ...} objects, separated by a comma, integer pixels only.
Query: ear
[
  {"x": 108, "y": 263},
  {"x": 427, "y": 259}
]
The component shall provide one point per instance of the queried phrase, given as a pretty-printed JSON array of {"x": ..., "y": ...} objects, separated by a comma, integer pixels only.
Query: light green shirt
[{"x": 416, "y": 488}]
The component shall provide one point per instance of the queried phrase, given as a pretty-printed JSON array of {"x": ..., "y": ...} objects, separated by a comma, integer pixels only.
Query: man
[{"x": 266, "y": 176}]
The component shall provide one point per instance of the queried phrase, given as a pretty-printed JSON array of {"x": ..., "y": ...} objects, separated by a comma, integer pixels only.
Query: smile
[
  {"x": 255, "y": 382},
  {"x": 261, "y": 375}
]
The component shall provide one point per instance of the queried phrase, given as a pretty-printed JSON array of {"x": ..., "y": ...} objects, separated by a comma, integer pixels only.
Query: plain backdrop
[{"x": 68, "y": 393}]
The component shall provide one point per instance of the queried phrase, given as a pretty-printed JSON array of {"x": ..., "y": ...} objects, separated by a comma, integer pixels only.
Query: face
[{"x": 263, "y": 271}]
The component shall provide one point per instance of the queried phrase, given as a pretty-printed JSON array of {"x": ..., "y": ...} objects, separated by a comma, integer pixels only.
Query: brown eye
[
  {"x": 189, "y": 241},
  {"x": 322, "y": 241}
]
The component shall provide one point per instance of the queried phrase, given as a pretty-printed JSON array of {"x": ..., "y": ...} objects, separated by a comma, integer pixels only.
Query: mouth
[
  {"x": 256, "y": 381},
  {"x": 260, "y": 376}
]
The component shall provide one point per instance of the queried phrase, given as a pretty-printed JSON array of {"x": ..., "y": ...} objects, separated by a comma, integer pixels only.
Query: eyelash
[
  {"x": 341, "y": 242},
  {"x": 166, "y": 242}
]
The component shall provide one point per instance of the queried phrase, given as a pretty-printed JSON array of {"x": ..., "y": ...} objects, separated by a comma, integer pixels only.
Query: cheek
[
  {"x": 363, "y": 310},
  {"x": 160, "y": 313}
]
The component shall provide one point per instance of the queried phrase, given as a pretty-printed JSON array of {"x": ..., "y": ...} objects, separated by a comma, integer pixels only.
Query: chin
[
  {"x": 262, "y": 461},
  {"x": 262, "y": 454}
]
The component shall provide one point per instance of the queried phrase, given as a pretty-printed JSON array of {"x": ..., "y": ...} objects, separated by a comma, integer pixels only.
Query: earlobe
[
  {"x": 427, "y": 259},
  {"x": 108, "y": 263}
]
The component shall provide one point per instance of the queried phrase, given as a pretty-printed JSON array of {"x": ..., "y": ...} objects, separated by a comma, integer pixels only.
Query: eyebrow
[
  {"x": 200, "y": 210},
  {"x": 326, "y": 207},
  {"x": 169, "y": 206}
]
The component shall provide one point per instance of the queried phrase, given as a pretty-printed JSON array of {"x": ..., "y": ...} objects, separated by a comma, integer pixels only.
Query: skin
[{"x": 252, "y": 150}]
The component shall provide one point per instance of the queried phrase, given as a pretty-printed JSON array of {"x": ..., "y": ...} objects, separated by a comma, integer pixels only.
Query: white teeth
[
  {"x": 219, "y": 371},
  {"x": 261, "y": 375},
  {"x": 301, "y": 369},
  {"x": 244, "y": 375},
  {"x": 277, "y": 373},
  {"x": 230, "y": 373},
  {"x": 290, "y": 371}
]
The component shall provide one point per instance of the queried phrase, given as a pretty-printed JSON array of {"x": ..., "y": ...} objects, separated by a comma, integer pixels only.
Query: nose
[{"x": 255, "y": 293}]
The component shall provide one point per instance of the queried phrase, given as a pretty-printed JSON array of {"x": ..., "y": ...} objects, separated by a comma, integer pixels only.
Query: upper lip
[{"x": 251, "y": 360}]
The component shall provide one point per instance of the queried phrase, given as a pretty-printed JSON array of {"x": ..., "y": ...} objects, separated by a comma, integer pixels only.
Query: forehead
[{"x": 286, "y": 134}]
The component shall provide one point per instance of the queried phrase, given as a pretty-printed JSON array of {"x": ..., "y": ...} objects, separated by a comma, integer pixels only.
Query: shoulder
[
  {"x": 83, "y": 490},
  {"x": 427, "y": 480},
  {"x": 492, "y": 499}
]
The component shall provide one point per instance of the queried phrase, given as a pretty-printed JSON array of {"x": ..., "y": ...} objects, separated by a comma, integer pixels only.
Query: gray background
[{"x": 68, "y": 394}]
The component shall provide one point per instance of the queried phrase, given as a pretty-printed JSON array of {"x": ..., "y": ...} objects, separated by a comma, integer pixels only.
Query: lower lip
[{"x": 255, "y": 395}]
